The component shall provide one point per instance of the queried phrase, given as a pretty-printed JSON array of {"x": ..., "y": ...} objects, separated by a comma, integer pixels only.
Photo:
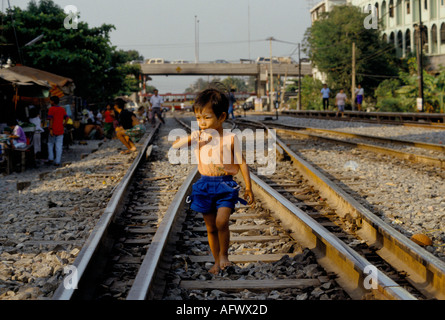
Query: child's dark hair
[{"x": 217, "y": 99}]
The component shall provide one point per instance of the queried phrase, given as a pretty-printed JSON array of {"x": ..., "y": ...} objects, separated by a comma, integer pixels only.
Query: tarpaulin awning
[
  {"x": 20, "y": 79},
  {"x": 37, "y": 74},
  {"x": 59, "y": 85}
]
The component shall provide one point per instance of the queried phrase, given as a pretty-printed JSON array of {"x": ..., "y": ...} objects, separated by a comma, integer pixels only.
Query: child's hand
[
  {"x": 248, "y": 195},
  {"x": 204, "y": 138}
]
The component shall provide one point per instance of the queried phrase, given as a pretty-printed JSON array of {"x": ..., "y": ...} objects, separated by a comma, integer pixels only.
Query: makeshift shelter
[
  {"x": 60, "y": 86},
  {"x": 13, "y": 86},
  {"x": 21, "y": 86},
  {"x": 19, "y": 79}
]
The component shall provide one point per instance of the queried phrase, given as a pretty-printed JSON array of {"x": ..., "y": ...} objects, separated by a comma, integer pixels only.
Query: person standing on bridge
[
  {"x": 220, "y": 157},
  {"x": 156, "y": 102}
]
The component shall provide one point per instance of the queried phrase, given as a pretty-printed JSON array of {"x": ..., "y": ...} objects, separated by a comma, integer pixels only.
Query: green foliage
[
  {"x": 387, "y": 88},
  {"x": 389, "y": 104},
  {"x": 237, "y": 83},
  {"x": 311, "y": 98},
  {"x": 85, "y": 54},
  {"x": 199, "y": 85},
  {"x": 328, "y": 43},
  {"x": 399, "y": 95}
]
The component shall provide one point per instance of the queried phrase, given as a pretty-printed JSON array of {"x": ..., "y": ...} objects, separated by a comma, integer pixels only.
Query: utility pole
[
  {"x": 196, "y": 48},
  {"x": 271, "y": 92},
  {"x": 299, "y": 78},
  {"x": 420, "y": 57},
  {"x": 353, "y": 77},
  {"x": 248, "y": 25},
  {"x": 196, "y": 39}
]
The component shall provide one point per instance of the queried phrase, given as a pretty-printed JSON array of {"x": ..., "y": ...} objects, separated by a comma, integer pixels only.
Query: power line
[
  {"x": 376, "y": 75},
  {"x": 187, "y": 44},
  {"x": 282, "y": 41}
]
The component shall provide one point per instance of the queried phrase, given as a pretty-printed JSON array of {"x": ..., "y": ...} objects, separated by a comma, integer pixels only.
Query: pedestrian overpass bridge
[{"x": 260, "y": 71}]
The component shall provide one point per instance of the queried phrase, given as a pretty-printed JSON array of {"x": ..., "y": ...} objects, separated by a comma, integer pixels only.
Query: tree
[
  {"x": 237, "y": 83},
  {"x": 328, "y": 43},
  {"x": 85, "y": 54},
  {"x": 199, "y": 85},
  {"x": 399, "y": 95}
]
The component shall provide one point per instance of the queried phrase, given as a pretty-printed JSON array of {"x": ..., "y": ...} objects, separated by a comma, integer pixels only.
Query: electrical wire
[
  {"x": 180, "y": 45},
  {"x": 376, "y": 75}
]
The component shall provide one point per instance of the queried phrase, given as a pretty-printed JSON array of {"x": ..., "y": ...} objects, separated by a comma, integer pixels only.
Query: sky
[{"x": 166, "y": 29}]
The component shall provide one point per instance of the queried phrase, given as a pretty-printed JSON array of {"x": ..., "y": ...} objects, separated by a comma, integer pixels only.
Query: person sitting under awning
[{"x": 16, "y": 134}]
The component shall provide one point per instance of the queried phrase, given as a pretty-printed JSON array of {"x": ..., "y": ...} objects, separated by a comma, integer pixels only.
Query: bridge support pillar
[{"x": 261, "y": 83}]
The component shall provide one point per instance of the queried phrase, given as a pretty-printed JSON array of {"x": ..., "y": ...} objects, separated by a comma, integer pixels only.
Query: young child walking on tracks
[{"x": 219, "y": 157}]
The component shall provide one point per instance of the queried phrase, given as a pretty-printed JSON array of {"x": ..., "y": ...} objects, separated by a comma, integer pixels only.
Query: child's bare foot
[
  {"x": 224, "y": 262},
  {"x": 215, "y": 269}
]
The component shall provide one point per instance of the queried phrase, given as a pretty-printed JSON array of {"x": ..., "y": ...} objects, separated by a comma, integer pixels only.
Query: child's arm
[
  {"x": 248, "y": 194},
  {"x": 180, "y": 142},
  {"x": 188, "y": 140},
  {"x": 239, "y": 158}
]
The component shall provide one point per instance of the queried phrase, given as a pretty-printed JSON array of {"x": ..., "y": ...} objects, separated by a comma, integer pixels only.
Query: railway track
[
  {"x": 370, "y": 173},
  {"x": 193, "y": 254},
  {"x": 88, "y": 267},
  {"x": 269, "y": 244},
  {"x": 400, "y": 252},
  {"x": 424, "y": 120},
  {"x": 416, "y": 151}
]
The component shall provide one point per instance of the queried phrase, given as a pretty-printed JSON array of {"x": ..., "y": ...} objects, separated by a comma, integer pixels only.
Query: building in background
[
  {"x": 399, "y": 21},
  {"x": 316, "y": 11},
  {"x": 324, "y": 6}
]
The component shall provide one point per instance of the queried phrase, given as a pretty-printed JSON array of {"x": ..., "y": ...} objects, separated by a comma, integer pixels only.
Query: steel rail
[
  {"x": 87, "y": 265},
  {"x": 376, "y": 149},
  {"x": 363, "y": 146},
  {"x": 150, "y": 282},
  {"x": 417, "y": 144},
  {"x": 424, "y": 271},
  {"x": 376, "y": 117},
  {"x": 333, "y": 254}
]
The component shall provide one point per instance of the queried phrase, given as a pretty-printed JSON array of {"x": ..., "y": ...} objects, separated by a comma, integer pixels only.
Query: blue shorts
[{"x": 211, "y": 193}]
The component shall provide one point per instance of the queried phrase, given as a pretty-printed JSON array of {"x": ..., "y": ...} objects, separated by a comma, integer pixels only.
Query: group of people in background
[
  {"x": 114, "y": 122},
  {"x": 57, "y": 118},
  {"x": 102, "y": 124},
  {"x": 341, "y": 99},
  {"x": 126, "y": 125}
]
